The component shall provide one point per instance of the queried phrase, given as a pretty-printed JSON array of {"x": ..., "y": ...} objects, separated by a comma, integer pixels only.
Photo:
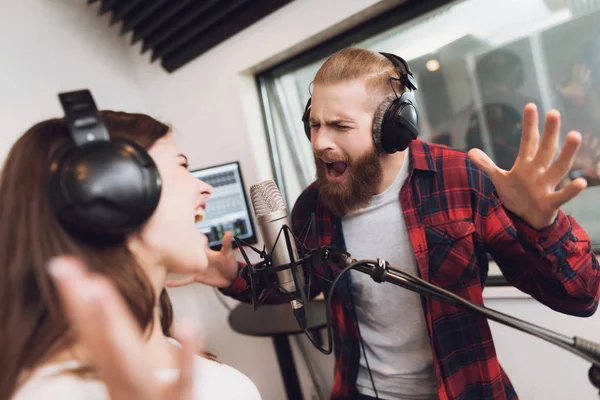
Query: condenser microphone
[{"x": 272, "y": 217}]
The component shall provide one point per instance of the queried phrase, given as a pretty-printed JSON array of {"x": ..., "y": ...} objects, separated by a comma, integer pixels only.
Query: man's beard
[{"x": 357, "y": 189}]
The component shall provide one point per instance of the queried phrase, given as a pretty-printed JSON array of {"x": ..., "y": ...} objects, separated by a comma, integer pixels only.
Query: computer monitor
[{"x": 227, "y": 209}]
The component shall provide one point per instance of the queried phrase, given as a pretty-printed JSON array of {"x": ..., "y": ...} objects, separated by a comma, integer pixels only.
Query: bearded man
[{"x": 434, "y": 212}]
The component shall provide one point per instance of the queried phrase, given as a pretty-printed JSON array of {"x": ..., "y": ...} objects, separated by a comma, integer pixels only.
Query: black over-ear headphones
[
  {"x": 395, "y": 122},
  {"x": 101, "y": 188}
]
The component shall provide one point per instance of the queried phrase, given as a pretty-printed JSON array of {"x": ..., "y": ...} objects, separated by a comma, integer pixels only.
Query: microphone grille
[{"x": 266, "y": 198}]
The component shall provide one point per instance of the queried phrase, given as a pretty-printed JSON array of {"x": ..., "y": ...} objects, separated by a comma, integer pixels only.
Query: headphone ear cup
[
  {"x": 395, "y": 124},
  {"x": 306, "y": 118},
  {"x": 103, "y": 190},
  {"x": 378, "y": 121}
]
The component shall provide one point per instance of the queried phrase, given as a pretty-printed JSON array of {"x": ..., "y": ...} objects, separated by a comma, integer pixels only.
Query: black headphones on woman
[
  {"x": 100, "y": 188},
  {"x": 395, "y": 122}
]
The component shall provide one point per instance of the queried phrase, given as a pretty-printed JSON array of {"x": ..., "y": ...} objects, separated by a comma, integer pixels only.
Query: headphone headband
[
  {"x": 405, "y": 75},
  {"x": 84, "y": 121}
]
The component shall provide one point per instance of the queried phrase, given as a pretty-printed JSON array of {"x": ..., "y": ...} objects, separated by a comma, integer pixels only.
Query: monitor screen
[{"x": 227, "y": 209}]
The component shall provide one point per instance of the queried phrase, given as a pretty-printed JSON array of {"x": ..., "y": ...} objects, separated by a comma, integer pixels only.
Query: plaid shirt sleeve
[
  {"x": 556, "y": 265},
  {"x": 239, "y": 288}
]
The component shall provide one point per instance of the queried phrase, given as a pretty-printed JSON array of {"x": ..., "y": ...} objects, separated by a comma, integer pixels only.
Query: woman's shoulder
[
  {"x": 54, "y": 381},
  {"x": 213, "y": 380},
  {"x": 217, "y": 380}
]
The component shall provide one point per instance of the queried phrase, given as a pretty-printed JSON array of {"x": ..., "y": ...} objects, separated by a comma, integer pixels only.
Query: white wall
[
  {"x": 212, "y": 103},
  {"x": 49, "y": 46},
  {"x": 540, "y": 370}
]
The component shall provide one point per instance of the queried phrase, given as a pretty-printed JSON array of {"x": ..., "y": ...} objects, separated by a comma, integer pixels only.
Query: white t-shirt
[
  {"x": 391, "y": 319},
  {"x": 213, "y": 381}
]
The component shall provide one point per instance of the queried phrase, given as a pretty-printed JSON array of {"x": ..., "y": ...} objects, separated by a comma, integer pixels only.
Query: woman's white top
[{"x": 213, "y": 381}]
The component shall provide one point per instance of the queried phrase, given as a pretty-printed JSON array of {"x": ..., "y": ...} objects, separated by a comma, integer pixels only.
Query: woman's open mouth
[{"x": 199, "y": 215}]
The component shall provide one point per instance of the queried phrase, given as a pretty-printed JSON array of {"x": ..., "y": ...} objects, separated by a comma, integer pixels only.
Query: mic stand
[{"x": 381, "y": 271}]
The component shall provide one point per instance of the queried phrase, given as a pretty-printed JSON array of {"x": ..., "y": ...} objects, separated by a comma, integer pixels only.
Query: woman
[{"x": 41, "y": 355}]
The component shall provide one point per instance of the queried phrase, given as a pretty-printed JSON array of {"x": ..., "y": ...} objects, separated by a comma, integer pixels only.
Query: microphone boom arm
[
  {"x": 380, "y": 271},
  {"x": 260, "y": 277}
]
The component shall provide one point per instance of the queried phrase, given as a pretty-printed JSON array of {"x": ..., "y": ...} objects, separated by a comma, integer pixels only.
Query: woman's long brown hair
[{"x": 33, "y": 326}]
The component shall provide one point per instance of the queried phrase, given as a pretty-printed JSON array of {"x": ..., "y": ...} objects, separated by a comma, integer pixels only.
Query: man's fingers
[
  {"x": 531, "y": 135},
  {"x": 549, "y": 140},
  {"x": 484, "y": 162},
  {"x": 564, "y": 161},
  {"x": 558, "y": 199},
  {"x": 227, "y": 244}
]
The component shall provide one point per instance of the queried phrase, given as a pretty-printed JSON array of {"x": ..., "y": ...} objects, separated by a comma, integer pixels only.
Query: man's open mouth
[{"x": 336, "y": 170}]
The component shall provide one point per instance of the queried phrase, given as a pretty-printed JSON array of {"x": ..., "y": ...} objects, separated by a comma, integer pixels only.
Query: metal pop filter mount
[{"x": 263, "y": 274}]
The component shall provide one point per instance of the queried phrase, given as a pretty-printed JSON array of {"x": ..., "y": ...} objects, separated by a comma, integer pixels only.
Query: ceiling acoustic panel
[{"x": 178, "y": 31}]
